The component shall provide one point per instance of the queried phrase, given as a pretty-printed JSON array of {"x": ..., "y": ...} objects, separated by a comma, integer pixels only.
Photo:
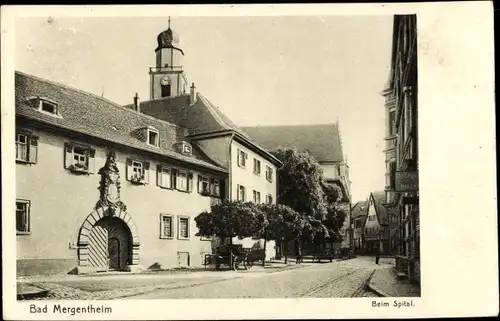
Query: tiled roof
[
  {"x": 322, "y": 141},
  {"x": 359, "y": 209},
  {"x": 378, "y": 200},
  {"x": 95, "y": 116},
  {"x": 200, "y": 118}
]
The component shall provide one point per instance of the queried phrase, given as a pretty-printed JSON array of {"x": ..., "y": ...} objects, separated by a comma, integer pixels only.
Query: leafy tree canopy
[{"x": 300, "y": 182}]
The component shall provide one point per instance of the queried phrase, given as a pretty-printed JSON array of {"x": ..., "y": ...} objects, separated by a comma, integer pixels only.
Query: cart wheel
[
  {"x": 248, "y": 263},
  {"x": 236, "y": 264}
]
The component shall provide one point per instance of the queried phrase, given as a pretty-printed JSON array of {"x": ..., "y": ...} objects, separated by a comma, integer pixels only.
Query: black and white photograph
[{"x": 217, "y": 157}]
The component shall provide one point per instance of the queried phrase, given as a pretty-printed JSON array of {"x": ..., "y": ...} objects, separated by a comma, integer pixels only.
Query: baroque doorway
[{"x": 109, "y": 245}]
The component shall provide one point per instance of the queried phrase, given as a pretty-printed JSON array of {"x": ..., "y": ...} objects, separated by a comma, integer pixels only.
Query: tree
[
  {"x": 336, "y": 214},
  {"x": 300, "y": 182},
  {"x": 229, "y": 219}
]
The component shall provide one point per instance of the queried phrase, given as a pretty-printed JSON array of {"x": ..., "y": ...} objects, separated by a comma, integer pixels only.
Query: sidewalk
[{"x": 385, "y": 283}]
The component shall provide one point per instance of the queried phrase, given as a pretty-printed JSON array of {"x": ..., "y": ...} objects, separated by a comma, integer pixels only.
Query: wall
[
  {"x": 61, "y": 200},
  {"x": 372, "y": 227},
  {"x": 251, "y": 181},
  {"x": 178, "y": 85},
  {"x": 217, "y": 148}
]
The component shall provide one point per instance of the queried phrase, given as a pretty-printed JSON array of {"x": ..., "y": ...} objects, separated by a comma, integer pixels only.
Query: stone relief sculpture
[{"x": 110, "y": 185}]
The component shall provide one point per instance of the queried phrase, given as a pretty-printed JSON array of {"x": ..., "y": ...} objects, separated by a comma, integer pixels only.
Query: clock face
[{"x": 165, "y": 81}]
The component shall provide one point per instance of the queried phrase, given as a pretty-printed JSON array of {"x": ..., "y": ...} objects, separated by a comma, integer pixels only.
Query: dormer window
[
  {"x": 48, "y": 107},
  {"x": 44, "y": 105},
  {"x": 153, "y": 138}
]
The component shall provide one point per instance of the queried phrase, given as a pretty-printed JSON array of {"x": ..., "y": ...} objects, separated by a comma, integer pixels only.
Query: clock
[{"x": 165, "y": 81}]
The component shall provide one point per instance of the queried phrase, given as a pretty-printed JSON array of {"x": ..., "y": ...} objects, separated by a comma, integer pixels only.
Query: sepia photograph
[{"x": 217, "y": 157}]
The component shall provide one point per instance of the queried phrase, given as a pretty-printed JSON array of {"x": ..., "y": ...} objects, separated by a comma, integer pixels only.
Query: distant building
[
  {"x": 376, "y": 227},
  {"x": 359, "y": 213},
  {"x": 324, "y": 143},
  {"x": 401, "y": 110}
]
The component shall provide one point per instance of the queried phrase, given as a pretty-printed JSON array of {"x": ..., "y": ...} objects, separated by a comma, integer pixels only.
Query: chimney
[
  {"x": 192, "y": 96},
  {"x": 137, "y": 103}
]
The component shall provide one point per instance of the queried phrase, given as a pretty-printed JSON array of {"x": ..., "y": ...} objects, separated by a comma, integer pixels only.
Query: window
[
  {"x": 256, "y": 166},
  {"x": 256, "y": 197},
  {"x": 166, "y": 226},
  {"x": 182, "y": 181},
  {"x": 153, "y": 138},
  {"x": 183, "y": 228},
  {"x": 137, "y": 171},
  {"x": 215, "y": 187},
  {"x": 392, "y": 122},
  {"x": 269, "y": 173},
  {"x": 338, "y": 170},
  {"x": 203, "y": 185},
  {"x": 269, "y": 199},
  {"x": 23, "y": 217},
  {"x": 48, "y": 107},
  {"x": 242, "y": 156},
  {"x": 164, "y": 177},
  {"x": 241, "y": 193},
  {"x": 186, "y": 148},
  {"x": 79, "y": 158},
  {"x": 392, "y": 174},
  {"x": 26, "y": 147},
  {"x": 165, "y": 90}
]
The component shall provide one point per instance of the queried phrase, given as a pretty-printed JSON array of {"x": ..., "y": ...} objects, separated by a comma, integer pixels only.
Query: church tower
[{"x": 167, "y": 78}]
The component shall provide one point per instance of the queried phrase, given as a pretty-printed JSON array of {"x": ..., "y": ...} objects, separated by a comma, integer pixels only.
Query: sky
[{"x": 258, "y": 70}]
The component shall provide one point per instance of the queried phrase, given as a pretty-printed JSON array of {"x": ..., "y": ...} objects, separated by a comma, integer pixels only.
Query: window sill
[
  {"x": 183, "y": 191},
  {"x": 256, "y": 173},
  {"x": 22, "y": 161},
  {"x": 205, "y": 239},
  {"x": 166, "y": 237},
  {"x": 79, "y": 171},
  {"x": 164, "y": 187},
  {"x": 22, "y": 233},
  {"x": 183, "y": 238},
  {"x": 137, "y": 182}
]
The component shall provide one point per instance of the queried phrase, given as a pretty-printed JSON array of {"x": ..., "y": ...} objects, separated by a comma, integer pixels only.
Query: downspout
[{"x": 230, "y": 180}]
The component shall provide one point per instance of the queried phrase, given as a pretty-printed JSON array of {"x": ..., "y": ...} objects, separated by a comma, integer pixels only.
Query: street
[
  {"x": 316, "y": 280},
  {"x": 337, "y": 279}
]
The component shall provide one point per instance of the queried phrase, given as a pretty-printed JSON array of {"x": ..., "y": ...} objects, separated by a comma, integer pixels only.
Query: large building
[
  {"x": 324, "y": 143},
  {"x": 102, "y": 187},
  {"x": 251, "y": 169},
  {"x": 401, "y": 109}
]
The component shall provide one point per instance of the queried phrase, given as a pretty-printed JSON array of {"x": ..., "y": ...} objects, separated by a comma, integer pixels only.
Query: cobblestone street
[{"x": 338, "y": 279}]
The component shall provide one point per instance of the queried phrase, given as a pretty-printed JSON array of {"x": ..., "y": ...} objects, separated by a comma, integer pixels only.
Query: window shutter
[
  {"x": 33, "y": 149},
  {"x": 68, "y": 155},
  {"x": 199, "y": 183},
  {"x": 146, "y": 171},
  {"x": 159, "y": 175},
  {"x": 222, "y": 188},
  {"x": 91, "y": 160},
  {"x": 238, "y": 156},
  {"x": 173, "y": 178},
  {"x": 129, "y": 168},
  {"x": 190, "y": 182}
]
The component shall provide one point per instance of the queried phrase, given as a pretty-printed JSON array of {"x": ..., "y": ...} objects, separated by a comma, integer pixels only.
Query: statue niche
[{"x": 109, "y": 186}]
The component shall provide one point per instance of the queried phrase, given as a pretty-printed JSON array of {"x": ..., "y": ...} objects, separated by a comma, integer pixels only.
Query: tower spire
[{"x": 168, "y": 22}]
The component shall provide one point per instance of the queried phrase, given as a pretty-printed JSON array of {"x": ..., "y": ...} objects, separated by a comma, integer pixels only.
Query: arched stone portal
[{"x": 108, "y": 239}]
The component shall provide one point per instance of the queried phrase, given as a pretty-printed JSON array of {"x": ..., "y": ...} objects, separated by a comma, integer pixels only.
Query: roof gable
[
  {"x": 359, "y": 209},
  {"x": 95, "y": 116},
  {"x": 321, "y": 141},
  {"x": 381, "y": 211}
]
